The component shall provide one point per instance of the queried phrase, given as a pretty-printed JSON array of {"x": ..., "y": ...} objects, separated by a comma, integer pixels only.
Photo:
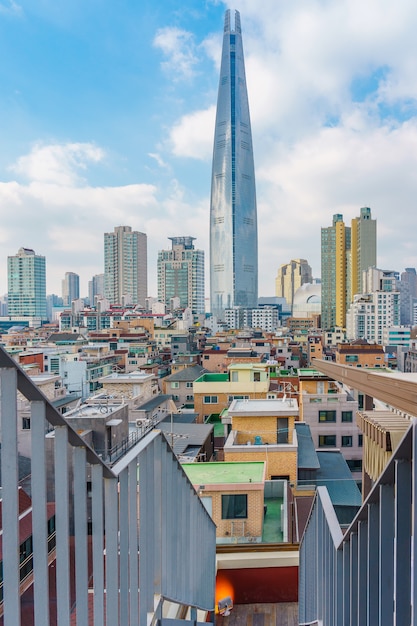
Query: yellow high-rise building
[
  {"x": 345, "y": 253},
  {"x": 363, "y": 247},
  {"x": 290, "y": 277}
]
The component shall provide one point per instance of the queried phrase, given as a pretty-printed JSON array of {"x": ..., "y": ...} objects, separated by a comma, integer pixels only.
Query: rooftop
[
  {"x": 41, "y": 379},
  {"x": 93, "y": 410},
  {"x": 154, "y": 402},
  {"x": 307, "y": 456},
  {"x": 129, "y": 377},
  {"x": 265, "y": 407},
  {"x": 213, "y": 378},
  {"x": 310, "y": 373},
  {"x": 187, "y": 374},
  {"x": 335, "y": 474},
  {"x": 247, "y": 366},
  {"x": 224, "y": 473}
]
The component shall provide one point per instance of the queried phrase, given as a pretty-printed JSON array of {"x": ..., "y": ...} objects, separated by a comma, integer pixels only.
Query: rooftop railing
[
  {"x": 130, "y": 539},
  {"x": 366, "y": 576}
]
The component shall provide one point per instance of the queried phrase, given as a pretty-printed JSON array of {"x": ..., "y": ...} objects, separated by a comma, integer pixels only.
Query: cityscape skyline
[{"x": 333, "y": 109}]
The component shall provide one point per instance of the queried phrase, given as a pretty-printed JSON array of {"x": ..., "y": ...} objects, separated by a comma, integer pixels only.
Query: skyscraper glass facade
[{"x": 233, "y": 218}]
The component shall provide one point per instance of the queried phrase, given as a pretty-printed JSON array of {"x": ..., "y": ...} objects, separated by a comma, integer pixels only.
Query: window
[
  {"x": 282, "y": 430},
  {"x": 360, "y": 441},
  {"x": 346, "y": 416},
  {"x": 346, "y": 441},
  {"x": 190, "y": 398},
  {"x": 257, "y": 376},
  {"x": 235, "y": 506},
  {"x": 210, "y": 400},
  {"x": 175, "y": 385},
  {"x": 26, "y": 423},
  {"x": 352, "y": 358},
  {"x": 355, "y": 465},
  {"x": 327, "y": 416},
  {"x": 327, "y": 441},
  {"x": 189, "y": 384}
]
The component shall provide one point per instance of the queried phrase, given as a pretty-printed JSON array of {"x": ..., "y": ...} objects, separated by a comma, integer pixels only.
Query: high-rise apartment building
[
  {"x": 377, "y": 308},
  {"x": 181, "y": 274},
  {"x": 95, "y": 288},
  {"x": 290, "y": 277},
  {"x": 70, "y": 288},
  {"x": 363, "y": 247},
  {"x": 410, "y": 276},
  {"x": 233, "y": 218},
  {"x": 125, "y": 266},
  {"x": 26, "y": 274},
  {"x": 335, "y": 273},
  {"x": 346, "y": 252}
]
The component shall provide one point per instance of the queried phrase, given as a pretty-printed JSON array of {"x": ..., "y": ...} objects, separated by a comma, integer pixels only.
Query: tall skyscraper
[
  {"x": 70, "y": 288},
  {"x": 335, "y": 272},
  {"x": 410, "y": 276},
  {"x": 290, "y": 277},
  {"x": 346, "y": 252},
  {"x": 125, "y": 266},
  {"x": 233, "y": 219},
  {"x": 95, "y": 288},
  {"x": 363, "y": 247},
  {"x": 26, "y": 274},
  {"x": 181, "y": 274}
]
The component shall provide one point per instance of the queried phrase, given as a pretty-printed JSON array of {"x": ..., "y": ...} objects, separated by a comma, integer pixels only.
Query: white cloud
[
  {"x": 10, "y": 7},
  {"x": 62, "y": 219},
  {"x": 58, "y": 163},
  {"x": 66, "y": 221},
  {"x": 192, "y": 136},
  {"x": 179, "y": 47},
  {"x": 157, "y": 157}
]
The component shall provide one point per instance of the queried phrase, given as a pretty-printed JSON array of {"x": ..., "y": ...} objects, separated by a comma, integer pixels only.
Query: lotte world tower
[{"x": 233, "y": 221}]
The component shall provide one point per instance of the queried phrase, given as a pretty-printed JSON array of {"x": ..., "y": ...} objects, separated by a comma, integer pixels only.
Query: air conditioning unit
[{"x": 140, "y": 423}]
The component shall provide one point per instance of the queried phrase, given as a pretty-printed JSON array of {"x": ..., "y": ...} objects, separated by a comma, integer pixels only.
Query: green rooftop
[
  {"x": 224, "y": 473},
  {"x": 212, "y": 378},
  {"x": 310, "y": 373}
]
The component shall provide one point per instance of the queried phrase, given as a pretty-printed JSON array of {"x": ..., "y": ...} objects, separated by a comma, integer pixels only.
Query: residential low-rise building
[
  {"x": 180, "y": 384},
  {"x": 263, "y": 430},
  {"x": 360, "y": 353},
  {"x": 130, "y": 386},
  {"x": 233, "y": 494},
  {"x": 215, "y": 392},
  {"x": 396, "y": 336},
  {"x": 330, "y": 410}
]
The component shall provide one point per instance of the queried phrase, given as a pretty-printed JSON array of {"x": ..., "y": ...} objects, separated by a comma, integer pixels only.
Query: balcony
[{"x": 139, "y": 520}]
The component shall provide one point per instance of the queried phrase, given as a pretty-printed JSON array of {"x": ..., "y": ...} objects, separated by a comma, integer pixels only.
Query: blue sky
[{"x": 107, "y": 116}]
